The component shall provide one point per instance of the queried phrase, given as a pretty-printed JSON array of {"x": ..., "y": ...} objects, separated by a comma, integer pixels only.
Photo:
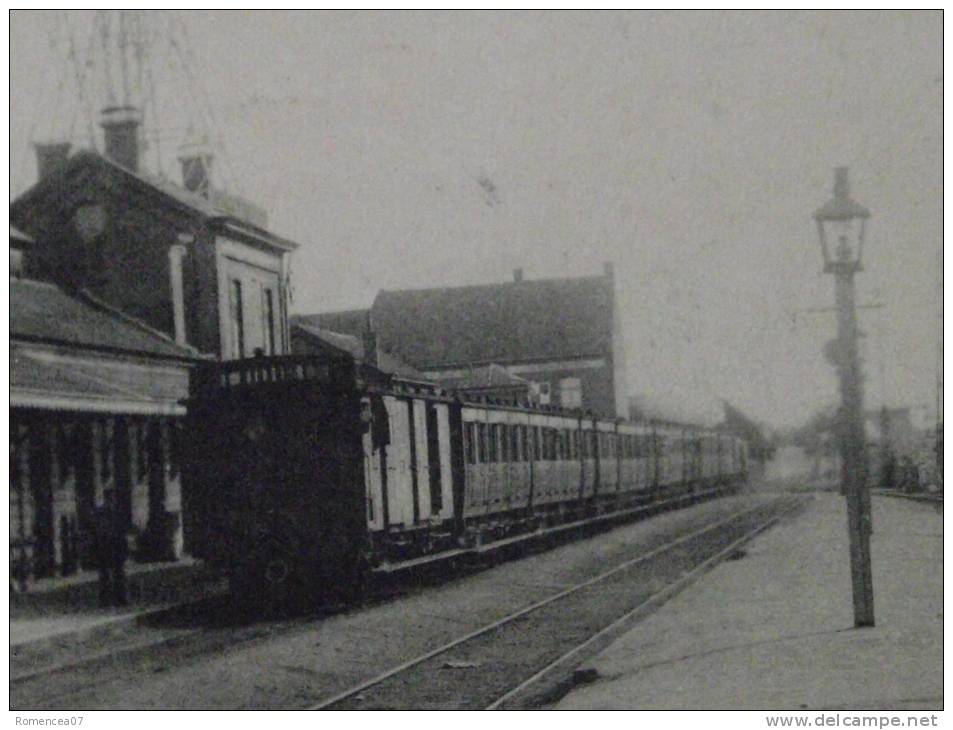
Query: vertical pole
[{"x": 854, "y": 461}]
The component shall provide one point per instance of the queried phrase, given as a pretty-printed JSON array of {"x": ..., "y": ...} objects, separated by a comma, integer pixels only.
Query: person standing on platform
[{"x": 111, "y": 552}]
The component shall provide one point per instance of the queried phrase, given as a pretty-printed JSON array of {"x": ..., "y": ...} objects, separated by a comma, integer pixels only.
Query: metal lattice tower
[{"x": 142, "y": 60}]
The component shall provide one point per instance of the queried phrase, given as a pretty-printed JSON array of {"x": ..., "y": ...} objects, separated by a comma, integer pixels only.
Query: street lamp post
[{"x": 842, "y": 222}]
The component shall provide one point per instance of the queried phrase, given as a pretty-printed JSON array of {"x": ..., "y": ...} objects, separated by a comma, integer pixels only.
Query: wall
[{"x": 257, "y": 271}]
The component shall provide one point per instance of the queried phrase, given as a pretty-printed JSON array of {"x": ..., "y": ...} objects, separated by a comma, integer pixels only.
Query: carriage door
[{"x": 438, "y": 460}]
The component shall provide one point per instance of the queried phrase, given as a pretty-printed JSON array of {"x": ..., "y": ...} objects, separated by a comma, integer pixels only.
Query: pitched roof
[
  {"x": 353, "y": 346},
  {"x": 487, "y": 376},
  {"x": 346, "y": 321},
  {"x": 524, "y": 321},
  {"x": 43, "y": 311},
  {"x": 19, "y": 236},
  {"x": 41, "y": 380},
  {"x": 224, "y": 207}
]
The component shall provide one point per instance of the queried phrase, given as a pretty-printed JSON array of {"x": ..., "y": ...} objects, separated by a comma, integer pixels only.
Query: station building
[
  {"x": 122, "y": 281},
  {"x": 95, "y": 404}
]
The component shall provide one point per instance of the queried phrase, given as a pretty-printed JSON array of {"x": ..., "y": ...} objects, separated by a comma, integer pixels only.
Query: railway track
[
  {"x": 309, "y": 660},
  {"x": 206, "y": 632},
  {"x": 150, "y": 653},
  {"x": 514, "y": 661},
  {"x": 928, "y": 498}
]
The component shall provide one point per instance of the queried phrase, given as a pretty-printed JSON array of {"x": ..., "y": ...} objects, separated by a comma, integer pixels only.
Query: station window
[
  {"x": 268, "y": 312},
  {"x": 238, "y": 318}
]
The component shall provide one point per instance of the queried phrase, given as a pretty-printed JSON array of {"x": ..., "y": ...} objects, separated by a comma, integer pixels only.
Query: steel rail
[
  {"x": 378, "y": 679},
  {"x": 655, "y": 599}
]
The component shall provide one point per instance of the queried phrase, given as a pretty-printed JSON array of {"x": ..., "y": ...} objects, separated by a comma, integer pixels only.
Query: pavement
[
  {"x": 63, "y": 611},
  {"x": 774, "y": 628}
]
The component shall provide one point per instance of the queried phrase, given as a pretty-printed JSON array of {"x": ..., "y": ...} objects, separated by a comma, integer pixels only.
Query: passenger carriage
[{"x": 308, "y": 473}]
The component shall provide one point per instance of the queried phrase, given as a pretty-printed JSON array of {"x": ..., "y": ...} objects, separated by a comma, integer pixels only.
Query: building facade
[
  {"x": 561, "y": 334},
  {"x": 194, "y": 265}
]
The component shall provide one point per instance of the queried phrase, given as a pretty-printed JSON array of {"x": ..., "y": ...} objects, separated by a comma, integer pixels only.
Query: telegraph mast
[{"x": 139, "y": 61}]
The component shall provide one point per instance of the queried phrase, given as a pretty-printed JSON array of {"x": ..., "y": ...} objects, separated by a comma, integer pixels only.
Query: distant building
[
  {"x": 95, "y": 403},
  {"x": 190, "y": 262},
  {"x": 495, "y": 381},
  {"x": 563, "y": 334},
  {"x": 900, "y": 454},
  {"x": 306, "y": 340}
]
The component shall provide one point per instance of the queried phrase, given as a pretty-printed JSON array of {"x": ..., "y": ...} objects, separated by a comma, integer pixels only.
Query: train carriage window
[
  {"x": 537, "y": 446},
  {"x": 524, "y": 438},
  {"x": 492, "y": 445},
  {"x": 481, "y": 442},
  {"x": 514, "y": 443},
  {"x": 505, "y": 452}
]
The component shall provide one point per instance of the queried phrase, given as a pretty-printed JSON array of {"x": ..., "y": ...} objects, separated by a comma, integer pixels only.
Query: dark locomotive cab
[{"x": 275, "y": 474}]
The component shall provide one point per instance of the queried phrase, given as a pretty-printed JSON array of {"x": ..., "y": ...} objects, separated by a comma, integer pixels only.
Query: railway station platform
[
  {"x": 62, "y": 611},
  {"x": 773, "y": 629}
]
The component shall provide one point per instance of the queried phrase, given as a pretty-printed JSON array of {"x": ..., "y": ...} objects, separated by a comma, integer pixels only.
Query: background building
[{"x": 562, "y": 334}]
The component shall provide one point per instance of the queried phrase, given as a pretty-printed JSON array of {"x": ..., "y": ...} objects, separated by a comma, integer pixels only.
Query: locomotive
[{"x": 304, "y": 473}]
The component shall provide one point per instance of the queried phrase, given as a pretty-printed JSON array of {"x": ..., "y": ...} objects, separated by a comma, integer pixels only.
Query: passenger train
[{"x": 306, "y": 473}]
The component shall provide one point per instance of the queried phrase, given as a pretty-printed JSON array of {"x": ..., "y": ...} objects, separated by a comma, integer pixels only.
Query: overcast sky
[{"x": 410, "y": 150}]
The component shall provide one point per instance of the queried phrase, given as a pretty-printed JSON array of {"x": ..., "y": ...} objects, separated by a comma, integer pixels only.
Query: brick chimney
[
  {"x": 50, "y": 157},
  {"x": 370, "y": 343},
  {"x": 196, "y": 161},
  {"x": 121, "y": 135}
]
